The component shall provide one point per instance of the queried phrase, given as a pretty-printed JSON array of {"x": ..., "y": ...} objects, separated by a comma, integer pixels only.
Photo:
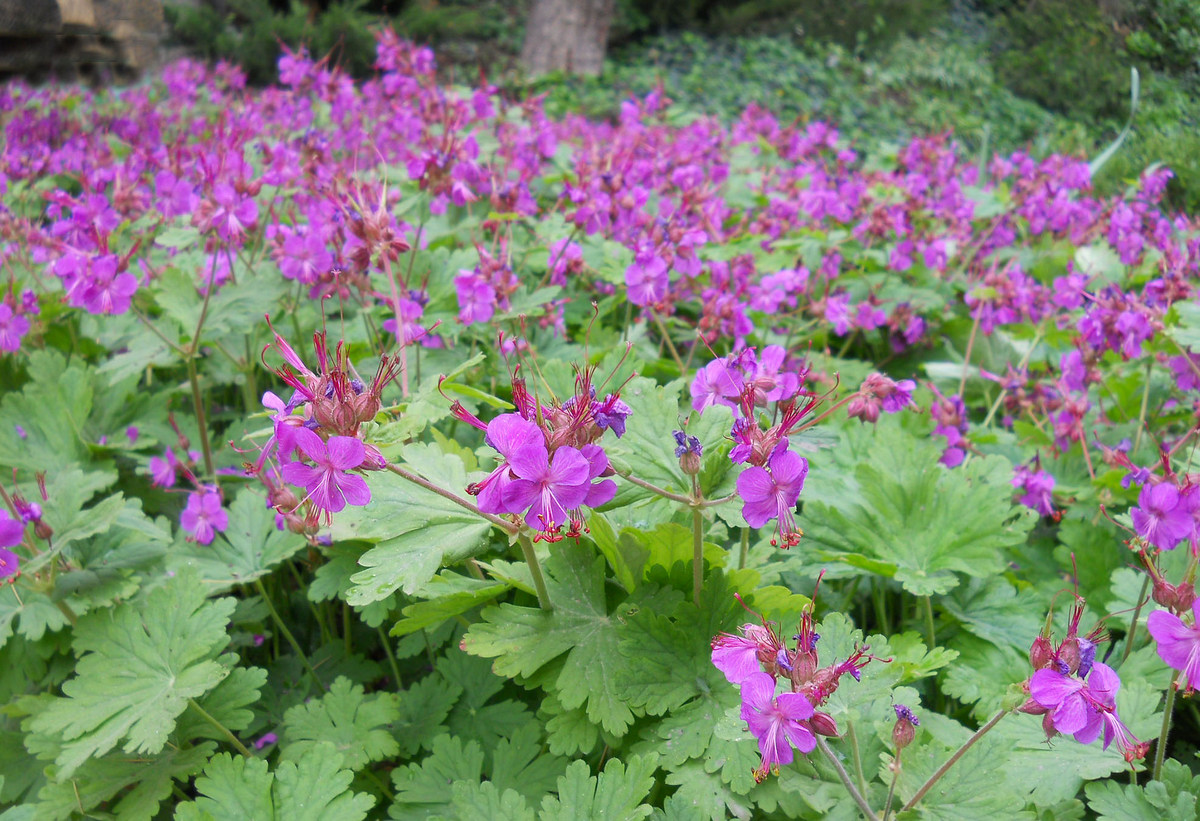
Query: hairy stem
[
  {"x": 1160, "y": 749},
  {"x": 535, "y": 570},
  {"x": 697, "y": 555},
  {"x": 663, "y": 492},
  {"x": 953, "y": 759},
  {"x": 1133, "y": 622},
  {"x": 221, "y": 728},
  {"x": 846, "y": 782},
  {"x": 287, "y": 634},
  {"x": 745, "y": 548},
  {"x": 508, "y": 527},
  {"x": 887, "y": 805},
  {"x": 852, "y": 737},
  {"x": 201, "y": 418},
  {"x": 386, "y": 641}
]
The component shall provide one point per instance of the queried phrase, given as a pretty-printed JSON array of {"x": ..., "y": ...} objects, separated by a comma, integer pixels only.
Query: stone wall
[{"x": 70, "y": 39}]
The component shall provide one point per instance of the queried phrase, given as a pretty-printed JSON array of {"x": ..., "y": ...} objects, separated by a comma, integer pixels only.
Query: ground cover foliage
[{"x": 646, "y": 468}]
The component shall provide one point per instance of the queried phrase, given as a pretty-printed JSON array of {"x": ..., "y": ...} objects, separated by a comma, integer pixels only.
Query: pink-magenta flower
[
  {"x": 12, "y": 327},
  {"x": 717, "y": 383},
  {"x": 547, "y": 488},
  {"x": 740, "y": 657},
  {"x": 771, "y": 493},
  {"x": 164, "y": 471},
  {"x": 330, "y": 488},
  {"x": 775, "y": 722},
  {"x": 1178, "y": 643},
  {"x": 1162, "y": 516},
  {"x": 11, "y": 534},
  {"x": 1083, "y": 708},
  {"x": 508, "y": 434},
  {"x": 204, "y": 517}
]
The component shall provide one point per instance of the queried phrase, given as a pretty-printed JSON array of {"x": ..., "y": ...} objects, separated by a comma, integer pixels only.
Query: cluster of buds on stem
[{"x": 757, "y": 660}]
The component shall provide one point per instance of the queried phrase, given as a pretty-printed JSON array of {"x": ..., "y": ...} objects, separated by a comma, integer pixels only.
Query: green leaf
[
  {"x": 424, "y": 707},
  {"x": 524, "y": 639},
  {"x": 101, "y": 780},
  {"x": 226, "y": 703},
  {"x": 1174, "y": 797},
  {"x": 471, "y": 801},
  {"x": 250, "y": 548},
  {"x": 448, "y": 595},
  {"x": 424, "y": 784},
  {"x": 139, "y": 664},
  {"x": 615, "y": 795},
  {"x": 355, "y": 725},
  {"x": 917, "y": 521},
  {"x": 52, "y": 410},
  {"x": 415, "y": 531},
  {"x": 316, "y": 788},
  {"x": 520, "y": 765}
]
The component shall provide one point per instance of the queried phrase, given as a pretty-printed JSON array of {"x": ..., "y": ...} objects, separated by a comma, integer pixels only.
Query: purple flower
[
  {"x": 204, "y": 517},
  {"x": 717, "y": 383},
  {"x": 775, "y": 722},
  {"x": 1162, "y": 517},
  {"x": 611, "y": 414},
  {"x": 771, "y": 492},
  {"x": 1081, "y": 708},
  {"x": 547, "y": 488},
  {"x": 11, "y": 531},
  {"x": 329, "y": 487},
  {"x": 10, "y": 563},
  {"x": 131, "y": 433},
  {"x": 12, "y": 327},
  {"x": 1038, "y": 487},
  {"x": 508, "y": 434},
  {"x": 647, "y": 279},
  {"x": 1178, "y": 643},
  {"x": 164, "y": 471},
  {"x": 739, "y": 657},
  {"x": 265, "y": 739}
]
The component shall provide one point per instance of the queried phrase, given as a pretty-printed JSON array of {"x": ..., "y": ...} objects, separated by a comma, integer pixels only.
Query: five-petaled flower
[
  {"x": 330, "y": 488},
  {"x": 771, "y": 493},
  {"x": 203, "y": 517},
  {"x": 775, "y": 722}
]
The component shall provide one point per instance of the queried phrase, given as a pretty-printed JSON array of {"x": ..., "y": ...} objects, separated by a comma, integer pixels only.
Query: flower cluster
[
  {"x": 316, "y": 435},
  {"x": 551, "y": 465},
  {"x": 1074, "y": 693},
  {"x": 759, "y": 662}
]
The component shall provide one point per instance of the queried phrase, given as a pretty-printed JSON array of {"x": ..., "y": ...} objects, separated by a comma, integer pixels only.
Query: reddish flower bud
[
  {"x": 823, "y": 724},
  {"x": 1041, "y": 653},
  {"x": 905, "y": 729}
]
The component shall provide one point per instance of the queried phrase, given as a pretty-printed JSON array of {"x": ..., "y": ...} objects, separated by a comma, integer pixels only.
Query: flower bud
[
  {"x": 1177, "y": 598},
  {"x": 1069, "y": 654},
  {"x": 1041, "y": 653},
  {"x": 905, "y": 728},
  {"x": 689, "y": 450},
  {"x": 823, "y": 724},
  {"x": 43, "y": 530}
]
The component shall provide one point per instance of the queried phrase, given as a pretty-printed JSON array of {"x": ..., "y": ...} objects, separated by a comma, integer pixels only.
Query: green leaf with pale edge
[
  {"x": 139, "y": 664},
  {"x": 415, "y": 531},
  {"x": 316, "y": 788},
  {"x": 250, "y": 548},
  {"x": 614, "y": 795},
  {"x": 524, "y": 639},
  {"x": 353, "y": 722},
  {"x": 918, "y": 522},
  {"x": 1174, "y": 797}
]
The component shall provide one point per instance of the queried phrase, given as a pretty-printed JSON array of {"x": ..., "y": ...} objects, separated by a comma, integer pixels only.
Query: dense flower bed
[{"x": 579, "y": 392}]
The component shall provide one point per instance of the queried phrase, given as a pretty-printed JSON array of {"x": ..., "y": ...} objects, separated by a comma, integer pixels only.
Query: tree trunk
[{"x": 567, "y": 35}]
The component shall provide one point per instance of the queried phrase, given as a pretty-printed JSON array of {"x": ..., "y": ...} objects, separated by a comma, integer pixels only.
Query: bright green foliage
[
  {"x": 473, "y": 800},
  {"x": 316, "y": 788},
  {"x": 1174, "y": 797},
  {"x": 354, "y": 724},
  {"x": 415, "y": 531},
  {"x": 139, "y": 665},
  {"x": 449, "y": 594},
  {"x": 917, "y": 522},
  {"x": 524, "y": 639},
  {"x": 423, "y": 786},
  {"x": 615, "y": 794},
  {"x": 101, "y": 779},
  {"x": 423, "y": 710}
]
